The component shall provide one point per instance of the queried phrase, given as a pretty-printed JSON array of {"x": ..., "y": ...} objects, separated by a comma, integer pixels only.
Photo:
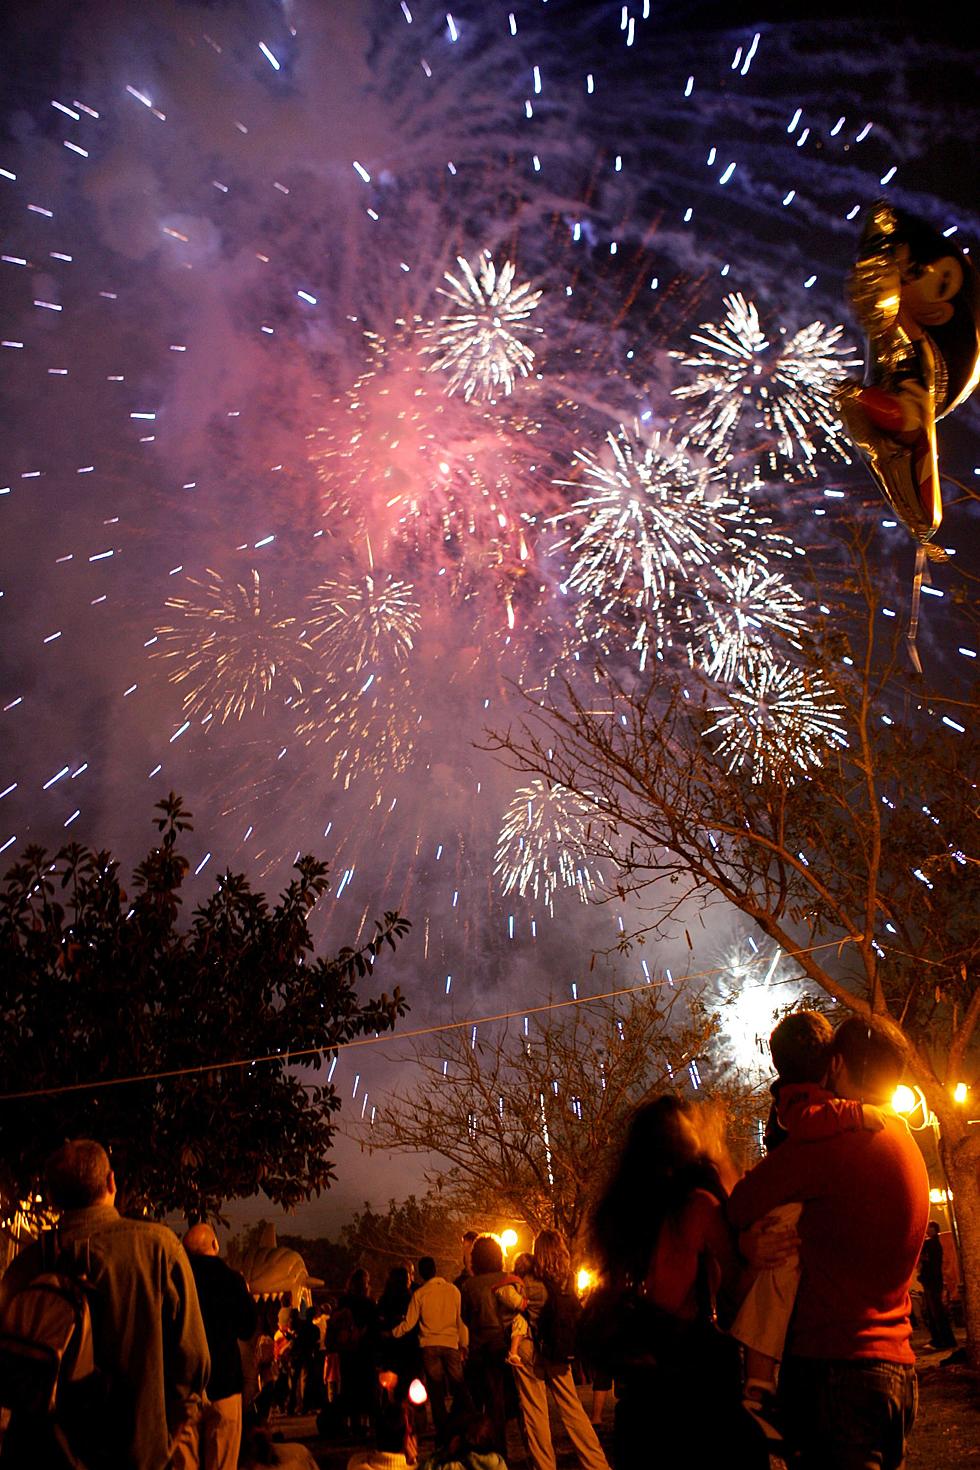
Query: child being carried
[{"x": 802, "y": 1109}]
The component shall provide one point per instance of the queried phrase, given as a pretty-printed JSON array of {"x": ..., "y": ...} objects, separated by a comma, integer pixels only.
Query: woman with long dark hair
[
  {"x": 665, "y": 1251},
  {"x": 545, "y": 1359}
]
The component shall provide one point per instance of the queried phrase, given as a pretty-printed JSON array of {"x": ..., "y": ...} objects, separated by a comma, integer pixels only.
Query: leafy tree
[
  {"x": 98, "y": 987},
  {"x": 865, "y": 870},
  {"x": 526, "y": 1117},
  {"x": 331, "y": 1261},
  {"x": 415, "y": 1227}
]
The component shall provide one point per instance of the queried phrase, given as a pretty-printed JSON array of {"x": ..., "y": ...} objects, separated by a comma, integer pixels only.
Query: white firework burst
[
  {"x": 745, "y": 608},
  {"x": 481, "y": 345},
  {"x": 650, "y": 518},
  {"x": 544, "y": 842},
  {"x": 230, "y": 646},
  {"x": 364, "y": 621},
  {"x": 779, "y": 721},
  {"x": 781, "y": 386}
]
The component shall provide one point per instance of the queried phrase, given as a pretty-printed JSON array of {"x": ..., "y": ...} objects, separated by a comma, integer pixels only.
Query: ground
[{"x": 947, "y": 1434}]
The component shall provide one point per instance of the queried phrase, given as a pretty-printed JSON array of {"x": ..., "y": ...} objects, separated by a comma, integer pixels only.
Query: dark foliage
[{"x": 96, "y": 985}]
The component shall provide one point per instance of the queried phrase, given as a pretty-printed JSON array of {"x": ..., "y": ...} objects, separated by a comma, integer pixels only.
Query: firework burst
[
  {"x": 781, "y": 386},
  {"x": 365, "y": 621},
  {"x": 747, "y": 609},
  {"x": 778, "y": 722},
  {"x": 544, "y": 843},
  {"x": 370, "y": 730},
  {"x": 650, "y": 518},
  {"x": 480, "y": 345},
  {"x": 229, "y": 647},
  {"x": 425, "y": 475}
]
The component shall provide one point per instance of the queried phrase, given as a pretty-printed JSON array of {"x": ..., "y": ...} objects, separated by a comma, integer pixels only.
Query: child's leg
[{"x": 518, "y": 1331}]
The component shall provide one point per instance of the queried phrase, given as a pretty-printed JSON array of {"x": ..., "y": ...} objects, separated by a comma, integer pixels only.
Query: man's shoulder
[
  {"x": 213, "y": 1268},
  {"x": 148, "y": 1231},
  {"x": 436, "y": 1286}
]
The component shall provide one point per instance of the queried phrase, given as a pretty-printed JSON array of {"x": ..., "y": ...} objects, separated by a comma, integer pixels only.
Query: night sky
[{"x": 228, "y": 425}]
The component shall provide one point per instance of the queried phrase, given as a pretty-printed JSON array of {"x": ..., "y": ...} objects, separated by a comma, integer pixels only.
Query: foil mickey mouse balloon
[{"x": 918, "y": 299}]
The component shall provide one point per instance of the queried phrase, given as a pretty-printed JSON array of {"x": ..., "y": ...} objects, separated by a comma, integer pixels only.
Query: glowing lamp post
[{"x": 584, "y": 1280}]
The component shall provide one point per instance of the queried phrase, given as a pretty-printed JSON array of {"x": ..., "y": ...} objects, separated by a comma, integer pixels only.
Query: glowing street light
[
  {"x": 904, "y": 1100},
  {"x": 508, "y": 1239},
  {"x": 960, "y": 1092},
  {"x": 584, "y": 1280}
]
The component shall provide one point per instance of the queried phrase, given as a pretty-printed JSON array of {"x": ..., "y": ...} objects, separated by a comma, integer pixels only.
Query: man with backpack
[{"x": 137, "y": 1303}]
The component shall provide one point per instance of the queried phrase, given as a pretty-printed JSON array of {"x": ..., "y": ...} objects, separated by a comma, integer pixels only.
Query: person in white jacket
[{"x": 443, "y": 1337}]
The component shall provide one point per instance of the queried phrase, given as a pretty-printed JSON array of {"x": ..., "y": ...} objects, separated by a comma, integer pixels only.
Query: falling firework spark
[
  {"x": 748, "y": 608},
  {"x": 364, "y": 622},
  {"x": 230, "y": 647},
  {"x": 544, "y": 842},
  {"x": 783, "y": 386},
  {"x": 480, "y": 344},
  {"x": 369, "y": 730},
  {"x": 779, "y": 721},
  {"x": 651, "y": 517}
]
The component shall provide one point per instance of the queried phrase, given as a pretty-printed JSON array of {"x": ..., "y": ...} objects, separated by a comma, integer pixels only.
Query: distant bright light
[{"x": 904, "y": 1099}]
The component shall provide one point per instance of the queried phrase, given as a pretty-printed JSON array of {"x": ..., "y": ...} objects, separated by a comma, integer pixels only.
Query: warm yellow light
[
  {"x": 903, "y": 1099},
  {"x": 937, "y": 1196},
  {"x": 959, "y": 1092},
  {"x": 508, "y": 1239},
  {"x": 584, "y": 1280}
]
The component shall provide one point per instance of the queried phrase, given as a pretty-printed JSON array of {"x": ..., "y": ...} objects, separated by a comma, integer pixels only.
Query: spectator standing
[
  {"x": 229, "y": 1315},
  {"x": 435, "y": 1308},
  {"x": 354, "y": 1328},
  {"x": 469, "y": 1239},
  {"x": 399, "y": 1355},
  {"x": 941, "y": 1335},
  {"x": 537, "y": 1375},
  {"x": 489, "y": 1300},
  {"x": 847, "y": 1386},
  {"x": 304, "y": 1353},
  {"x": 664, "y": 1249},
  {"x": 147, "y": 1327}
]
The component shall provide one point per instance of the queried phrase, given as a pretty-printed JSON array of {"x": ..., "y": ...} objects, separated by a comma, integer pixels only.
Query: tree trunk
[{"x": 962, "y": 1160}]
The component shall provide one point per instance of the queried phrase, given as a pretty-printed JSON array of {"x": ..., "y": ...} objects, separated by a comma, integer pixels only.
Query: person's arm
[
  {"x": 809, "y": 1112},
  {"x": 794, "y": 1171},
  {"x": 511, "y": 1295},
  {"x": 189, "y": 1362},
  {"x": 411, "y": 1317}
]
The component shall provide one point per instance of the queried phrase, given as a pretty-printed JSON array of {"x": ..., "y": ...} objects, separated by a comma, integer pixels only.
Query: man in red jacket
[{"x": 847, "y": 1385}]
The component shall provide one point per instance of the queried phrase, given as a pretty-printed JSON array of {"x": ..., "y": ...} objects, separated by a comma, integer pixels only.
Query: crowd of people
[{"x": 731, "y": 1315}]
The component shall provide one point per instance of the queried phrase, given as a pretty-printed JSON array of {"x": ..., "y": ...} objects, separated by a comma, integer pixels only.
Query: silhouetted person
[
  {"x": 230, "y": 1316},
  {"x": 941, "y": 1334},
  {"x": 847, "y": 1386}
]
